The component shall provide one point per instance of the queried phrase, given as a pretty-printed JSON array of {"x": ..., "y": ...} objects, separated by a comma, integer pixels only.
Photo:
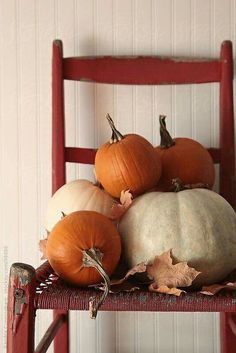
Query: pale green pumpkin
[{"x": 198, "y": 225}]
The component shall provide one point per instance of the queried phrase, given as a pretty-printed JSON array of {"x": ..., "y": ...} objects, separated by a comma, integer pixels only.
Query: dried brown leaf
[
  {"x": 140, "y": 268},
  {"x": 164, "y": 273},
  {"x": 42, "y": 248},
  {"x": 165, "y": 290},
  {"x": 118, "y": 209},
  {"x": 215, "y": 288},
  {"x": 126, "y": 198},
  {"x": 166, "y": 277},
  {"x": 117, "y": 288},
  {"x": 122, "y": 285}
]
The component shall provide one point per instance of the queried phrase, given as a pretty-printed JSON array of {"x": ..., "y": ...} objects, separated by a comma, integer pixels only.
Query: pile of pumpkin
[{"x": 197, "y": 224}]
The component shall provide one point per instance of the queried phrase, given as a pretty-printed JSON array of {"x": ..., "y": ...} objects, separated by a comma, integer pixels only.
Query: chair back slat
[
  {"x": 144, "y": 70},
  {"x": 141, "y": 70}
]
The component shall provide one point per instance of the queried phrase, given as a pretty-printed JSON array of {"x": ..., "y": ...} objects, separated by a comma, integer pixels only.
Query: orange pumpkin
[
  {"x": 183, "y": 158},
  {"x": 76, "y": 235},
  {"x": 127, "y": 162}
]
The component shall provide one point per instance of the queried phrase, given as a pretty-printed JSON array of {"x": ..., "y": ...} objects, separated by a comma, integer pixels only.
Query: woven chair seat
[{"x": 54, "y": 293}]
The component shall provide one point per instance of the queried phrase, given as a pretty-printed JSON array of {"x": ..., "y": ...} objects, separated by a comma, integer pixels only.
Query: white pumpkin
[
  {"x": 198, "y": 225},
  {"x": 74, "y": 196}
]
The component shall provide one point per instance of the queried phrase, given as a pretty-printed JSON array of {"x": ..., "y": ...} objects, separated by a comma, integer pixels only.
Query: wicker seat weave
[{"x": 56, "y": 294}]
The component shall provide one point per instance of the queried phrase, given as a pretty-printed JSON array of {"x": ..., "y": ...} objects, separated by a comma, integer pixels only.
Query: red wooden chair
[{"x": 30, "y": 289}]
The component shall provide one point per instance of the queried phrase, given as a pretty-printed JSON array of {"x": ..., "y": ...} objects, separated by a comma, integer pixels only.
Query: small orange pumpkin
[
  {"x": 183, "y": 158},
  {"x": 127, "y": 162},
  {"x": 77, "y": 235}
]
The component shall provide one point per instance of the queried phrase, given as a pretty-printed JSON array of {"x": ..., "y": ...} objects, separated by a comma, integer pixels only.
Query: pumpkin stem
[
  {"x": 92, "y": 258},
  {"x": 166, "y": 139},
  {"x": 178, "y": 185},
  {"x": 98, "y": 184},
  {"x": 116, "y": 135}
]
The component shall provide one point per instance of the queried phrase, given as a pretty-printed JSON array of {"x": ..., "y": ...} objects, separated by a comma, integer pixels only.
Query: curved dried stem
[
  {"x": 116, "y": 135},
  {"x": 166, "y": 139},
  {"x": 178, "y": 185},
  {"x": 92, "y": 258}
]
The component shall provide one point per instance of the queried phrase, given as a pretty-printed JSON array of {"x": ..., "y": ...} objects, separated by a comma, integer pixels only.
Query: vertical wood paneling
[
  {"x": 146, "y": 334},
  {"x": 9, "y": 128},
  {"x": 123, "y": 44},
  {"x": 143, "y": 45},
  {"x": 87, "y": 338},
  {"x": 44, "y": 31},
  {"x": 185, "y": 333},
  {"x": 222, "y": 30},
  {"x": 104, "y": 46},
  {"x": 28, "y": 130},
  {"x": 162, "y": 34},
  {"x": 202, "y": 35},
  {"x": 27, "y": 29},
  {"x": 8, "y": 153},
  {"x": 202, "y": 93},
  {"x": 85, "y": 97},
  {"x": 167, "y": 332},
  {"x": 182, "y": 112},
  {"x": 107, "y": 333},
  {"x": 205, "y": 333},
  {"x": 126, "y": 333},
  {"x": 65, "y": 29}
]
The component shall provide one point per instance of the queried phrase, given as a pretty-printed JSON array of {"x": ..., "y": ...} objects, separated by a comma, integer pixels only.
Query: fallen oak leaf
[
  {"x": 42, "y": 248},
  {"x": 117, "y": 288},
  {"x": 166, "y": 290},
  {"x": 43, "y": 245},
  {"x": 139, "y": 268},
  {"x": 117, "y": 211},
  {"x": 164, "y": 273},
  {"x": 166, "y": 277},
  {"x": 119, "y": 208},
  {"x": 126, "y": 198},
  {"x": 122, "y": 285},
  {"x": 215, "y": 288}
]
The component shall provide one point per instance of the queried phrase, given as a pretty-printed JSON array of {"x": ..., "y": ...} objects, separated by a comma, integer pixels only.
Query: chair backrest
[{"x": 144, "y": 70}]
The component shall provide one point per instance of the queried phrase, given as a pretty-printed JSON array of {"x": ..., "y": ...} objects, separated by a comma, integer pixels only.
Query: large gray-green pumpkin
[{"x": 198, "y": 225}]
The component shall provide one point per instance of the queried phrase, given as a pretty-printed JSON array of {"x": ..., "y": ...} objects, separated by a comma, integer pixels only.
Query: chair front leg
[
  {"x": 61, "y": 341},
  {"x": 20, "y": 309},
  {"x": 228, "y": 332}
]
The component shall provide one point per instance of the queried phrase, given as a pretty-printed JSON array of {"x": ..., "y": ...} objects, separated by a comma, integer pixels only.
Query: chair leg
[
  {"x": 20, "y": 310},
  {"x": 61, "y": 340},
  {"x": 228, "y": 332}
]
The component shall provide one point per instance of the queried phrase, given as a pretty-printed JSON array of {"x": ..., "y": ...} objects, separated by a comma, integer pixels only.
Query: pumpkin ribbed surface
[
  {"x": 187, "y": 160},
  {"x": 130, "y": 163},
  {"x": 198, "y": 225},
  {"x": 77, "y": 195},
  {"x": 83, "y": 230}
]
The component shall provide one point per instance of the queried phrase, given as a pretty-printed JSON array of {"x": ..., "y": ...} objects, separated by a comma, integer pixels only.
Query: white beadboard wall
[{"x": 163, "y": 27}]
